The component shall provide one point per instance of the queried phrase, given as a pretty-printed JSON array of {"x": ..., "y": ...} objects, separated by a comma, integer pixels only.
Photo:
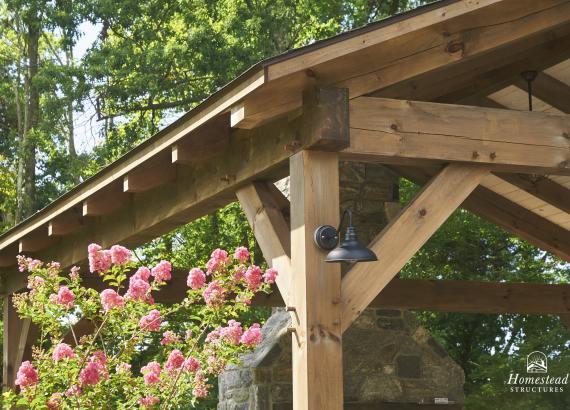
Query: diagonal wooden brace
[{"x": 405, "y": 235}]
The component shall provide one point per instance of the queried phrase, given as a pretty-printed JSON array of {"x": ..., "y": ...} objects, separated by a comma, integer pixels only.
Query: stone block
[
  {"x": 391, "y": 324},
  {"x": 408, "y": 367}
]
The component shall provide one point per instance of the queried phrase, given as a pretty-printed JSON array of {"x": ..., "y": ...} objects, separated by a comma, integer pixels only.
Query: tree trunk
[{"x": 70, "y": 127}]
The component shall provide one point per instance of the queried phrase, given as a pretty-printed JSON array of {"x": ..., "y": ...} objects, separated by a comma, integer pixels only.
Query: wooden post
[
  {"x": 315, "y": 284},
  {"x": 14, "y": 343}
]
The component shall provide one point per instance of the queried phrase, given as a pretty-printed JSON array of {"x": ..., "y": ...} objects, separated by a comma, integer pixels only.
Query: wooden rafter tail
[
  {"x": 270, "y": 229},
  {"x": 406, "y": 234}
]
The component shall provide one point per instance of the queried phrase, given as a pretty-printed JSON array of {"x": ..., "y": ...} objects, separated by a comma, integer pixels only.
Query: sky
[{"x": 86, "y": 125}]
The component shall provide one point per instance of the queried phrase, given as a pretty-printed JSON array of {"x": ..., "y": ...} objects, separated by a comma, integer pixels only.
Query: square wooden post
[
  {"x": 14, "y": 342},
  {"x": 315, "y": 284}
]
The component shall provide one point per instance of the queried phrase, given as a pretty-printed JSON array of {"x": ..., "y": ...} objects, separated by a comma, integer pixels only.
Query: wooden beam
[
  {"x": 550, "y": 90},
  {"x": 14, "y": 343},
  {"x": 469, "y": 296},
  {"x": 543, "y": 188},
  {"x": 405, "y": 235},
  {"x": 66, "y": 222},
  {"x": 508, "y": 215},
  {"x": 35, "y": 241},
  {"x": 270, "y": 229},
  {"x": 408, "y": 50},
  {"x": 410, "y": 131},
  {"x": 151, "y": 174},
  {"x": 204, "y": 144},
  {"x": 315, "y": 286},
  {"x": 105, "y": 201}
]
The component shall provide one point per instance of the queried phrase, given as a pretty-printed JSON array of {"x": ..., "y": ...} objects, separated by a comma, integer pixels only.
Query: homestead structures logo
[{"x": 536, "y": 363}]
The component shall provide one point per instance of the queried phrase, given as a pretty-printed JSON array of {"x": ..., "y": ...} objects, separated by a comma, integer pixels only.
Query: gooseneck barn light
[{"x": 350, "y": 249}]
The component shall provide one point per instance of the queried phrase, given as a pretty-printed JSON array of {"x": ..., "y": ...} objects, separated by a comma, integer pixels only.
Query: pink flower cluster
[
  {"x": 241, "y": 254},
  {"x": 253, "y": 277},
  {"x": 151, "y": 321},
  {"x": 28, "y": 264},
  {"x": 162, "y": 272},
  {"x": 62, "y": 351},
  {"x": 214, "y": 294},
  {"x": 111, "y": 299},
  {"x": 175, "y": 360},
  {"x": 218, "y": 260},
  {"x": 65, "y": 297},
  {"x": 270, "y": 275},
  {"x": 232, "y": 333},
  {"x": 200, "y": 389},
  {"x": 99, "y": 259},
  {"x": 191, "y": 364},
  {"x": 149, "y": 401},
  {"x": 252, "y": 336},
  {"x": 95, "y": 369},
  {"x": 168, "y": 338},
  {"x": 151, "y": 373},
  {"x": 120, "y": 255},
  {"x": 196, "y": 279},
  {"x": 55, "y": 401},
  {"x": 139, "y": 288},
  {"x": 27, "y": 376}
]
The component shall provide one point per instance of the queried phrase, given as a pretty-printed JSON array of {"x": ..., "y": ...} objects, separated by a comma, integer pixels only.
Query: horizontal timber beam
[{"x": 412, "y": 132}]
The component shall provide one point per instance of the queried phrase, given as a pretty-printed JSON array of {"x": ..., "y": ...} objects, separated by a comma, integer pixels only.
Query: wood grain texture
[
  {"x": 270, "y": 229},
  {"x": 543, "y": 188},
  {"x": 503, "y": 139},
  {"x": 315, "y": 285},
  {"x": 405, "y": 235},
  {"x": 14, "y": 342}
]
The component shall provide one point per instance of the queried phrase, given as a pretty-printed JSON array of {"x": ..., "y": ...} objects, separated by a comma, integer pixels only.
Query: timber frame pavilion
[{"x": 435, "y": 94}]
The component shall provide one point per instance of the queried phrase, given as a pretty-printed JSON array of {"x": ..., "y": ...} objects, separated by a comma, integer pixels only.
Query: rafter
[{"x": 405, "y": 235}]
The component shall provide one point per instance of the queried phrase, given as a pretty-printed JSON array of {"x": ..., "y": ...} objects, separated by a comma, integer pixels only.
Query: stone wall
[{"x": 387, "y": 356}]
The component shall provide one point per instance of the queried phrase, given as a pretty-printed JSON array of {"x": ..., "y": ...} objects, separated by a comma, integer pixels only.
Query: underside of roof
[{"x": 462, "y": 52}]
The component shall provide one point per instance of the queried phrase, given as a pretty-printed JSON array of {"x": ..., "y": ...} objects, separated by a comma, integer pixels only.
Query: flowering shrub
[{"x": 99, "y": 370}]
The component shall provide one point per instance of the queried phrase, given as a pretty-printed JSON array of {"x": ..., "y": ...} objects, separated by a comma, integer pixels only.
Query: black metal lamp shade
[{"x": 350, "y": 249}]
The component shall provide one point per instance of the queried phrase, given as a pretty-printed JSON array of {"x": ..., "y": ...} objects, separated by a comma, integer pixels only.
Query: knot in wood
[
  {"x": 475, "y": 154},
  {"x": 566, "y": 135},
  {"x": 394, "y": 127},
  {"x": 455, "y": 47},
  {"x": 423, "y": 212},
  {"x": 492, "y": 155},
  {"x": 310, "y": 73}
]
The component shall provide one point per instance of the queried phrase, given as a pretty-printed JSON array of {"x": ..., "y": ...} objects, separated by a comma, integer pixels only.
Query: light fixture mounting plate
[{"x": 326, "y": 237}]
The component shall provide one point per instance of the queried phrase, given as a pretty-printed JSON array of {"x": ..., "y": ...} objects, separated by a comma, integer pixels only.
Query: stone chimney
[{"x": 388, "y": 357}]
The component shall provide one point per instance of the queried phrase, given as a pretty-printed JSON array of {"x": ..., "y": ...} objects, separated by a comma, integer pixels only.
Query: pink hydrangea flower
[
  {"x": 242, "y": 254},
  {"x": 27, "y": 375},
  {"x": 196, "y": 278},
  {"x": 151, "y": 321},
  {"x": 270, "y": 275},
  {"x": 74, "y": 273},
  {"x": 214, "y": 336},
  {"x": 65, "y": 297},
  {"x": 138, "y": 288},
  {"x": 35, "y": 282},
  {"x": 90, "y": 374},
  {"x": 120, "y": 255},
  {"x": 252, "y": 336},
  {"x": 73, "y": 391},
  {"x": 233, "y": 332},
  {"x": 149, "y": 401},
  {"x": 143, "y": 273},
  {"x": 214, "y": 294},
  {"x": 239, "y": 272},
  {"x": 175, "y": 360},
  {"x": 218, "y": 260},
  {"x": 191, "y": 364},
  {"x": 151, "y": 373},
  {"x": 111, "y": 299},
  {"x": 200, "y": 387},
  {"x": 99, "y": 259},
  {"x": 162, "y": 271},
  {"x": 253, "y": 277},
  {"x": 168, "y": 338},
  {"x": 62, "y": 351}
]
